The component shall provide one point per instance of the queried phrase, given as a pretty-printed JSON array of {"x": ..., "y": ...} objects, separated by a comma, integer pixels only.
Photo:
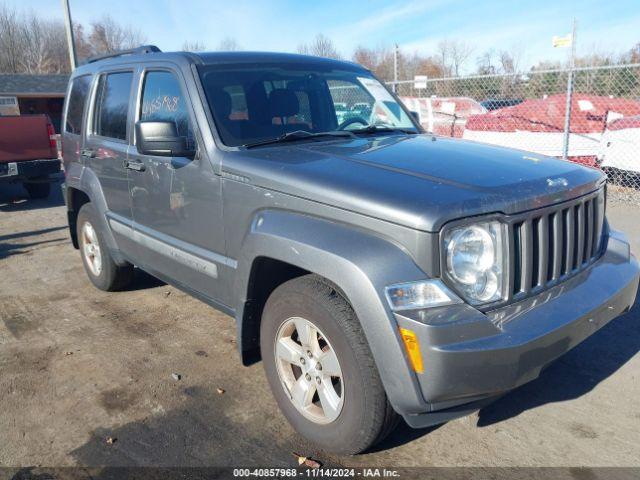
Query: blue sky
[{"x": 280, "y": 25}]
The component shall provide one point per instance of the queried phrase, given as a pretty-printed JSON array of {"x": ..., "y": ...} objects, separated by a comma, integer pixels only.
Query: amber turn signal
[{"x": 412, "y": 347}]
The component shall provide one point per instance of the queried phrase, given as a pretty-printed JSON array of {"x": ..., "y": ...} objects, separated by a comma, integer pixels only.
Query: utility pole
[
  {"x": 567, "y": 115},
  {"x": 396, "y": 52},
  {"x": 69, "y": 29}
]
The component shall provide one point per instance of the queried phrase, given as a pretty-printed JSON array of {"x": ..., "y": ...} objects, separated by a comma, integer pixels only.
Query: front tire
[
  {"x": 103, "y": 272},
  {"x": 341, "y": 406}
]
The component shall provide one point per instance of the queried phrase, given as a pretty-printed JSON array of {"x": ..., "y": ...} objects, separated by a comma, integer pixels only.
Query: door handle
[
  {"x": 134, "y": 165},
  {"x": 87, "y": 152}
]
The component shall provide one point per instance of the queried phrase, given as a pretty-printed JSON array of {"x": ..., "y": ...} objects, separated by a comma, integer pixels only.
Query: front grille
[{"x": 552, "y": 244}]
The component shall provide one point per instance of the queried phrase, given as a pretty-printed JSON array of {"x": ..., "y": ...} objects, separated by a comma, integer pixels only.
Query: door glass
[
  {"x": 163, "y": 101},
  {"x": 112, "y": 105},
  {"x": 77, "y": 99}
]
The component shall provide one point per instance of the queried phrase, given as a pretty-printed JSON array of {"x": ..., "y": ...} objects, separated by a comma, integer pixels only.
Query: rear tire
[
  {"x": 37, "y": 189},
  {"x": 103, "y": 272},
  {"x": 365, "y": 416}
]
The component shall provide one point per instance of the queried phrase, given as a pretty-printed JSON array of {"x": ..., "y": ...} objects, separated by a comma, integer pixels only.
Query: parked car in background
[
  {"x": 345, "y": 112},
  {"x": 28, "y": 152},
  {"x": 618, "y": 156},
  {"x": 496, "y": 103},
  {"x": 445, "y": 116},
  {"x": 342, "y": 111},
  {"x": 537, "y": 125},
  {"x": 376, "y": 271}
]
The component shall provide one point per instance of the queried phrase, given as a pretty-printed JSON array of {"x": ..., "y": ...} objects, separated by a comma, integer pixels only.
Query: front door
[{"x": 176, "y": 201}]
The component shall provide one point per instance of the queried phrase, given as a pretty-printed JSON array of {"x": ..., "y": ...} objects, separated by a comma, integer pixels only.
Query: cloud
[
  {"x": 374, "y": 22},
  {"x": 377, "y": 25}
]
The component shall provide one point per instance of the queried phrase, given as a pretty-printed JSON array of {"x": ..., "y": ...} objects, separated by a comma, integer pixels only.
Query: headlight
[{"x": 474, "y": 261}]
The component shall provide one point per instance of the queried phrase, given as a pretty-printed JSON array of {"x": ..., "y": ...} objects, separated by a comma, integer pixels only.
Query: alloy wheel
[
  {"x": 309, "y": 370},
  {"x": 91, "y": 249}
]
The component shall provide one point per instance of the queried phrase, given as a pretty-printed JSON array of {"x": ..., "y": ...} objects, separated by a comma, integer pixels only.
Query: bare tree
[
  {"x": 598, "y": 57},
  {"x": 443, "y": 54},
  {"x": 57, "y": 50},
  {"x": 486, "y": 63},
  {"x": 195, "y": 46},
  {"x": 229, "y": 44},
  {"x": 380, "y": 62},
  {"x": 460, "y": 52},
  {"x": 366, "y": 57},
  {"x": 418, "y": 64},
  {"x": 83, "y": 47},
  {"x": 633, "y": 56},
  {"x": 108, "y": 36},
  {"x": 453, "y": 55},
  {"x": 34, "y": 35},
  {"x": 9, "y": 40},
  {"x": 510, "y": 59},
  {"x": 30, "y": 43},
  {"x": 321, "y": 46}
]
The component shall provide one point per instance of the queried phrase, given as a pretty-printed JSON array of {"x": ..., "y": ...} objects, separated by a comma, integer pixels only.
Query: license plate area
[{"x": 8, "y": 169}]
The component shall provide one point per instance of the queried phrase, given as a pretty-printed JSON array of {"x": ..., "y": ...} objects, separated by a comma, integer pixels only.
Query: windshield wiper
[
  {"x": 383, "y": 129},
  {"x": 299, "y": 135}
]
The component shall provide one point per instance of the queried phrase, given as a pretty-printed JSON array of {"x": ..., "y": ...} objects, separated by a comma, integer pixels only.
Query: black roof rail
[{"x": 132, "y": 51}]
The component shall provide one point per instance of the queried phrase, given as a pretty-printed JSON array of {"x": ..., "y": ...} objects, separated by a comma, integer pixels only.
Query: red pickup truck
[{"x": 28, "y": 152}]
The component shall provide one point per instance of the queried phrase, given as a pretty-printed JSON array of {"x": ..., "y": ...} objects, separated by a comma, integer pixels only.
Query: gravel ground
[{"x": 79, "y": 366}]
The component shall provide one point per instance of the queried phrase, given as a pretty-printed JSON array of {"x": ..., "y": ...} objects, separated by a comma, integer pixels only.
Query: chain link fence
[{"x": 585, "y": 115}]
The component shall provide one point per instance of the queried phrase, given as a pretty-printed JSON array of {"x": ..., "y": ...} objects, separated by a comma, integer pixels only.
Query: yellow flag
[{"x": 564, "y": 41}]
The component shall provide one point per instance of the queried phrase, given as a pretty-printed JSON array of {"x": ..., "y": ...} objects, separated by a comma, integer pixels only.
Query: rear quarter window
[
  {"x": 77, "y": 101},
  {"x": 112, "y": 105}
]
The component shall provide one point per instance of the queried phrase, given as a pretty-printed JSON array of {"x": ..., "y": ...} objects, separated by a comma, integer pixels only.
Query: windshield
[{"x": 252, "y": 103}]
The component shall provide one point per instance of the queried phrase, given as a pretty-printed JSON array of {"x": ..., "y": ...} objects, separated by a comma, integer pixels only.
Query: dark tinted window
[
  {"x": 112, "y": 105},
  {"x": 163, "y": 101},
  {"x": 77, "y": 100}
]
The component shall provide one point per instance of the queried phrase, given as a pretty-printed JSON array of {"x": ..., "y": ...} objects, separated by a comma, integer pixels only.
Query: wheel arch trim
[
  {"x": 89, "y": 184},
  {"x": 360, "y": 264}
]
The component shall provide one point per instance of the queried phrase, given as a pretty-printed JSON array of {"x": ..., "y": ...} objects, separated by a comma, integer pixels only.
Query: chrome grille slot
[{"x": 554, "y": 243}]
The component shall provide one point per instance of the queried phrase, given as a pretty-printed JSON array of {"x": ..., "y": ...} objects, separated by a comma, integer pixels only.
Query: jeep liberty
[{"x": 379, "y": 272}]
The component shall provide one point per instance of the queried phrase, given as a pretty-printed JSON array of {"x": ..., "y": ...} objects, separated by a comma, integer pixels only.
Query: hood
[{"x": 419, "y": 181}]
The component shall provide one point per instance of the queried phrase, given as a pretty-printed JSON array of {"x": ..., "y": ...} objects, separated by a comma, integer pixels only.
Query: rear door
[{"x": 106, "y": 148}]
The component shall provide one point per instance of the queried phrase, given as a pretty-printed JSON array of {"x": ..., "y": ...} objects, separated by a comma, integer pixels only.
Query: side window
[
  {"x": 112, "y": 105},
  {"x": 77, "y": 101},
  {"x": 163, "y": 101}
]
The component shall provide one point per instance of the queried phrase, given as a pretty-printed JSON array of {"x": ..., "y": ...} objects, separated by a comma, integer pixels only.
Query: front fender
[{"x": 361, "y": 264}]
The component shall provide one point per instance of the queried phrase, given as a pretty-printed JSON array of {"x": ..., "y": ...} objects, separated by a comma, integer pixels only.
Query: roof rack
[{"x": 132, "y": 51}]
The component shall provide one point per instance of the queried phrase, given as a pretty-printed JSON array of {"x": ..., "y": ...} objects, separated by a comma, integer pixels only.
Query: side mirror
[
  {"x": 415, "y": 115},
  {"x": 161, "y": 139}
]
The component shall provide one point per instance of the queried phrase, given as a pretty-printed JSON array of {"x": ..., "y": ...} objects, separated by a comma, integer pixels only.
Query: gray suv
[{"x": 377, "y": 271}]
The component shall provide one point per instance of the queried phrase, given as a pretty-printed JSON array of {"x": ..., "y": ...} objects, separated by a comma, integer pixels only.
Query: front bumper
[{"x": 472, "y": 357}]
